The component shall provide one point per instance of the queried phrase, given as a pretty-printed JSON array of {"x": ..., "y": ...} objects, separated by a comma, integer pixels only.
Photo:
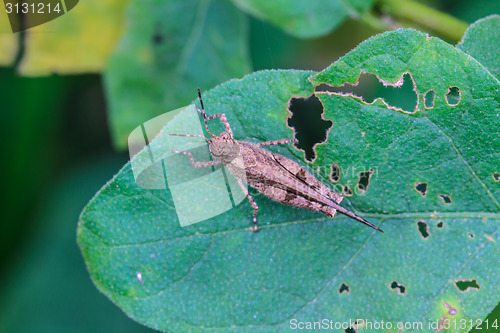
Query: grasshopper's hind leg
[{"x": 252, "y": 202}]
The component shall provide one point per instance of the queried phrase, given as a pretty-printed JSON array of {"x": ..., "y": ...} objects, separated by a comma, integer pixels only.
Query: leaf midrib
[{"x": 399, "y": 216}]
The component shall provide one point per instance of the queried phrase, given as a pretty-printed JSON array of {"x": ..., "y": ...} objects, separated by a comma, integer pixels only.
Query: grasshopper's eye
[{"x": 224, "y": 135}]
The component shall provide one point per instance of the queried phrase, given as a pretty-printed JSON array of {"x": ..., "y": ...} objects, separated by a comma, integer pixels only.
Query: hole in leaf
[
  {"x": 446, "y": 198},
  {"x": 465, "y": 285},
  {"x": 423, "y": 228},
  {"x": 453, "y": 96},
  {"x": 401, "y": 288},
  {"x": 421, "y": 188},
  {"x": 496, "y": 176},
  {"x": 308, "y": 123},
  {"x": 400, "y": 95},
  {"x": 344, "y": 288},
  {"x": 359, "y": 323},
  {"x": 335, "y": 174},
  {"x": 350, "y": 330},
  {"x": 471, "y": 235},
  {"x": 364, "y": 180},
  {"x": 439, "y": 224},
  {"x": 429, "y": 99},
  {"x": 347, "y": 191}
]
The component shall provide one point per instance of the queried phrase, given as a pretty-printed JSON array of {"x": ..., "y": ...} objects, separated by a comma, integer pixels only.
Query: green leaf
[
  {"x": 454, "y": 150},
  {"x": 482, "y": 41},
  {"x": 439, "y": 144},
  {"x": 305, "y": 19},
  {"x": 216, "y": 275},
  {"x": 80, "y": 41},
  {"x": 171, "y": 48}
]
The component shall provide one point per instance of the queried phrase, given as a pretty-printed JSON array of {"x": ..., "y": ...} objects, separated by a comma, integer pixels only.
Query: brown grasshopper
[{"x": 275, "y": 176}]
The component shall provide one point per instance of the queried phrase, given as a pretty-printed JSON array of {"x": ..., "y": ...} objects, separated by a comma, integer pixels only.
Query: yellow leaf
[
  {"x": 80, "y": 41},
  {"x": 8, "y": 40}
]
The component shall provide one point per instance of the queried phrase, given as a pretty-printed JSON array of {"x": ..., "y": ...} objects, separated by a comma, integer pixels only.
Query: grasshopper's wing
[
  {"x": 307, "y": 177},
  {"x": 292, "y": 199},
  {"x": 304, "y": 175},
  {"x": 271, "y": 178}
]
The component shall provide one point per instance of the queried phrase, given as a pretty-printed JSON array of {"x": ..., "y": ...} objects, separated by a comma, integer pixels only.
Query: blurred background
[{"x": 58, "y": 152}]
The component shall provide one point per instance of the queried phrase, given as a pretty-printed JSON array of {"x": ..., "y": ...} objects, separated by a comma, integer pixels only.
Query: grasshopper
[{"x": 275, "y": 176}]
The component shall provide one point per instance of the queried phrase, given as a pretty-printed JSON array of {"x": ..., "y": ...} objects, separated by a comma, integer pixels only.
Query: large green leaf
[
  {"x": 218, "y": 276},
  {"x": 482, "y": 41},
  {"x": 302, "y": 18},
  {"x": 453, "y": 149},
  {"x": 169, "y": 49}
]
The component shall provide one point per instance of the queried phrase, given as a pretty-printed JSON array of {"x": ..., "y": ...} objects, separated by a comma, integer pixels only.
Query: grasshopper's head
[{"x": 223, "y": 147}]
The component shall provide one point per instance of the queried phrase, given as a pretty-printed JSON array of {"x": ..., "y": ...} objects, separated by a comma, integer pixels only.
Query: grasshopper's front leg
[
  {"x": 224, "y": 121},
  {"x": 222, "y": 117},
  {"x": 197, "y": 164}
]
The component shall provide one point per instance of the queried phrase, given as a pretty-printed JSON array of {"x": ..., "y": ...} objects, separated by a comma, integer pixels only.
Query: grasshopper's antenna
[
  {"x": 192, "y": 135},
  {"x": 203, "y": 112}
]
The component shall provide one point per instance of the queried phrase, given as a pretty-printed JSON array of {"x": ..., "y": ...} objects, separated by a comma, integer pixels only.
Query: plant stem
[
  {"x": 439, "y": 22},
  {"x": 373, "y": 21}
]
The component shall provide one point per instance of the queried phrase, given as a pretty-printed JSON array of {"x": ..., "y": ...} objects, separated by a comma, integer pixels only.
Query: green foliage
[
  {"x": 172, "y": 57},
  {"x": 437, "y": 144},
  {"x": 218, "y": 276},
  {"x": 482, "y": 41},
  {"x": 439, "y": 252},
  {"x": 304, "y": 18}
]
